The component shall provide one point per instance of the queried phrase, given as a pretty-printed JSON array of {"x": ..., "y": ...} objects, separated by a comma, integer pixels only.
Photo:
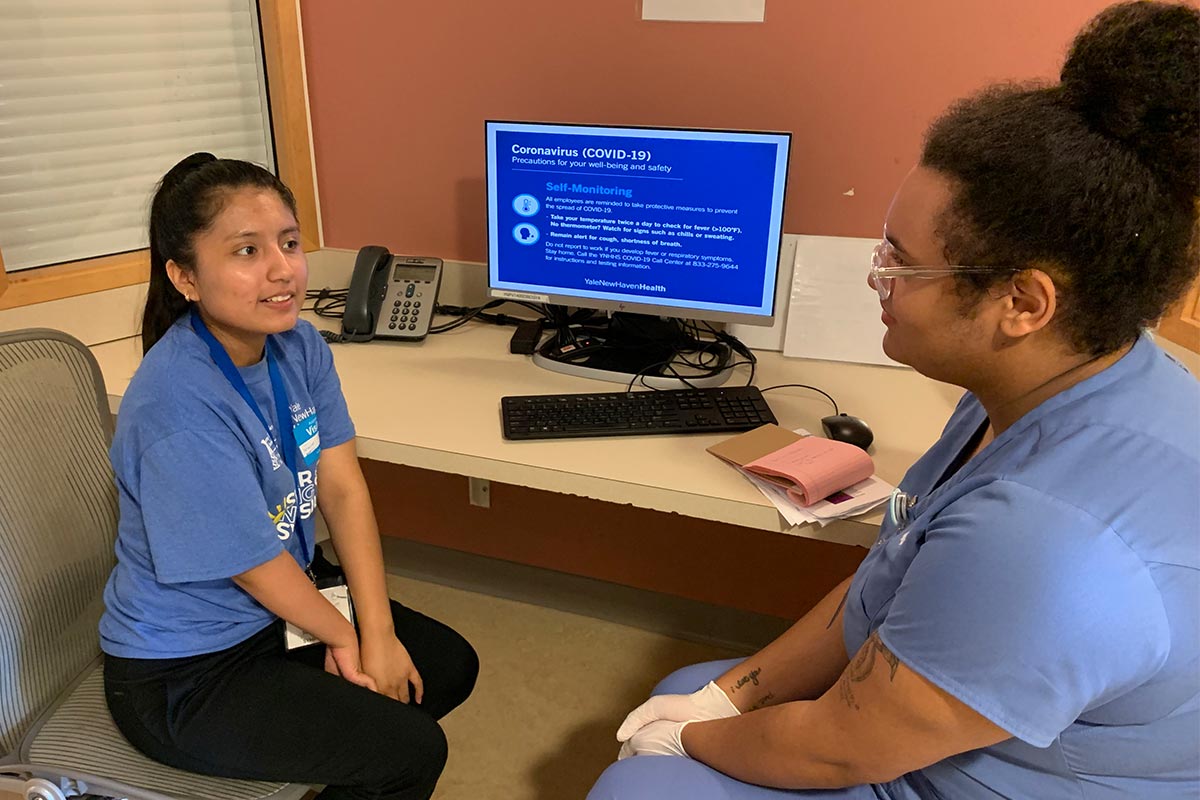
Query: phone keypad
[{"x": 404, "y": 314}]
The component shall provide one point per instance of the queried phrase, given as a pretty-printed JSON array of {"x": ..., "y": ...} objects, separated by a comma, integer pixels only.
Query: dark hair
[
  {"x": 1094, "y": 179},
  {"x": 186, "y": 202}
]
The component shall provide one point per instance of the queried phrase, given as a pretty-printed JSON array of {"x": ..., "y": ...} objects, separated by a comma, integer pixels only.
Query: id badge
[
  {"x": 339, "y": 595},
  {"x": 308, "y": 439}
]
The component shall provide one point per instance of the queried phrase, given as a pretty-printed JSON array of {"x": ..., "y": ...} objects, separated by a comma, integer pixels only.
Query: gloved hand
[
  {"x": 659, "y": 738},
  {"x": 707, "y": 703}
]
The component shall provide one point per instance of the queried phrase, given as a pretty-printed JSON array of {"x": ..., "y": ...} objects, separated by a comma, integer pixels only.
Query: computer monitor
[{"x": 668, "y": 222}]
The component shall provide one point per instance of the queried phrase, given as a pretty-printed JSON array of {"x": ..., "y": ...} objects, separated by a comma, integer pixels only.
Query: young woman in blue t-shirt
[
  {"x": 232, "y": 434},
  {"x": 1026, "y": 625}
]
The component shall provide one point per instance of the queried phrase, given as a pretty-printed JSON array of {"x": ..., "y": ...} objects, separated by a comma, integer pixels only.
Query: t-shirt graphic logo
[
  {"x": 295, "y": 507},
  {"x": 268, "y": 442},
  {"x": 277, "y": 515},
  {"x": 284, "y": 517}
]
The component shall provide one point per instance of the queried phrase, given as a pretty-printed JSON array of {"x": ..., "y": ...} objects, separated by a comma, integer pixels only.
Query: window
[{"x": 207, "y": 110}]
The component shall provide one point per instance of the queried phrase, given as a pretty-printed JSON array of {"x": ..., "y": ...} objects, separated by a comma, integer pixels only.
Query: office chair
[{"x": 58, "y": 522}]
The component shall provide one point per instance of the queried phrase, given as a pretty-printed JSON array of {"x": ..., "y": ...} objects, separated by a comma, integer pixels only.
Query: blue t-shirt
[
  {"x": 1052, "y": 585},
  {"x": 204, "y": 493}
]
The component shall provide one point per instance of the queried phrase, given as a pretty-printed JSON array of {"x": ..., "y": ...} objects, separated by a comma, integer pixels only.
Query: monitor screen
[{"x": 668, "y": 221}]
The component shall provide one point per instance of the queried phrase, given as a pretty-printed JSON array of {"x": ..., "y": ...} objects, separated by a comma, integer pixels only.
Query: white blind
[{"x": 99, "y": 98}]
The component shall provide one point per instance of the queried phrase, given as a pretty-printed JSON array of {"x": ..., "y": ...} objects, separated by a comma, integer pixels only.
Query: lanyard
[{"x": 286, "y": 440}]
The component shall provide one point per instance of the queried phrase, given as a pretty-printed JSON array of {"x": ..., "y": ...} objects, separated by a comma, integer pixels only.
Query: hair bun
[
  {"x": 189, "y": 164},
  {"x": 1134, "y": 74}
]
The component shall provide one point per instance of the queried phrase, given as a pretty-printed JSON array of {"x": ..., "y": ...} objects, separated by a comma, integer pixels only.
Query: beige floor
[{"x": 553, "y": 686}]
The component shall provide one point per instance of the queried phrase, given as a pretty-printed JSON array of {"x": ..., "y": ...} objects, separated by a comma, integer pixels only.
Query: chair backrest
[{"x": 58, "y": 519}]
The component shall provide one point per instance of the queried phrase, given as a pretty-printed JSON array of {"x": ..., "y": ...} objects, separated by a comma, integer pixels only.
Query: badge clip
[{"x": 337, "y": 594}]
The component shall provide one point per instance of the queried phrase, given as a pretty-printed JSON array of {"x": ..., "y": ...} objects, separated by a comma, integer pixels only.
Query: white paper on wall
[
  {"x": 832, "y": 314},
  {"x": 704, "y": 10}
]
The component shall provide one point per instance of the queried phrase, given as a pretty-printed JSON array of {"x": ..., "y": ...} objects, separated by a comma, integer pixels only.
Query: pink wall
[{"x": 400, "y": 89}]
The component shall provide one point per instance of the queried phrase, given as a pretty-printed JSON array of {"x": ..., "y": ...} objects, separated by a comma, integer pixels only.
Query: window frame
[
  {"x": 1181, "y": 323},
  {"x": 283, "y": 55}
]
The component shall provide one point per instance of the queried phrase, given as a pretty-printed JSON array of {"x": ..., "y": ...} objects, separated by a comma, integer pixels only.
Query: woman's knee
[
  {"x": 448, "y": 663},
  {"x": 453, "y": 679},
  {"x": 406, "y": 756},
  {"x": 436, "y": 750},
  {"x": 465, "y": 670},
  {"x": 656, "y": 777}
]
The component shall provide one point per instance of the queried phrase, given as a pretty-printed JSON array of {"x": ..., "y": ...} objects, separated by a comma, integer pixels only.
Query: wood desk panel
[{"x": 711, "y": 562}]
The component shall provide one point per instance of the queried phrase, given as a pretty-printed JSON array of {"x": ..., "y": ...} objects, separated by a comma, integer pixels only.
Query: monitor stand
[{"x": 638, "y": 349}]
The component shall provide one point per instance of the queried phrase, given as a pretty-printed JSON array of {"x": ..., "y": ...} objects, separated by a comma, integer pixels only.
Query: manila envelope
[{"x": 746, "y": 447}]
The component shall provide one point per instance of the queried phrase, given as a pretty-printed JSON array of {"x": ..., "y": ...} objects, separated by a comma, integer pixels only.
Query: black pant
[{"x": 256, "y": 711}]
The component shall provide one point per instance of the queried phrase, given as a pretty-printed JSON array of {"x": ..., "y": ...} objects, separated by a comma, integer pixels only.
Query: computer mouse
[{"x": 845, "y": 428}]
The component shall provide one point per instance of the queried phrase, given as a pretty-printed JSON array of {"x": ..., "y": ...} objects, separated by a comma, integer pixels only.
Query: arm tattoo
[
  {"x": 837, "y": 611},
  {"x": 749, "y": 677},
  {"x": 862, "y": 665},
  {"x": 763, "y": 703}
]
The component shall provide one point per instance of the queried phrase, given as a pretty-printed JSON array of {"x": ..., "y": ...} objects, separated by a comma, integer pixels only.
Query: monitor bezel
[{"x": 681, "y": 311}]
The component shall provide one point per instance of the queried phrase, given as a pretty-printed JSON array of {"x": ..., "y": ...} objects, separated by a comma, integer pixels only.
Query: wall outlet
[{"x": 479, "y": 492}]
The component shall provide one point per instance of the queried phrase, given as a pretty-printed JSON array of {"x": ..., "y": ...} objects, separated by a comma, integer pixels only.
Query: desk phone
[{"x": 391, "y": 296}]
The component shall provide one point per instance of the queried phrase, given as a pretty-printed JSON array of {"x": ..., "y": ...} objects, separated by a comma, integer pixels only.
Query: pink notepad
[{"x": 813, "y": 468}]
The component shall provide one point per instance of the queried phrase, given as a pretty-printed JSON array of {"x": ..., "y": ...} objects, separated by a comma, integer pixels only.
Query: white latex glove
[
  {"x": 707, "y": 703},
  {"x": 660, "y": 738}
]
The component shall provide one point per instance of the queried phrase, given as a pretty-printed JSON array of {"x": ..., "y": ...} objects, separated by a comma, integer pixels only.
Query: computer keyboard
[{"x": 565, "y": 416}]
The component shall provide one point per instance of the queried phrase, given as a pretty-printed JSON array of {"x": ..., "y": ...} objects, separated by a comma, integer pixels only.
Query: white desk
[{"x": 435, "y": 405}]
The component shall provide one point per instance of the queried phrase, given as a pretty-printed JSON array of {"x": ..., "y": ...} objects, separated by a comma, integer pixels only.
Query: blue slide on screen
[{"x": 682, "y": 219}]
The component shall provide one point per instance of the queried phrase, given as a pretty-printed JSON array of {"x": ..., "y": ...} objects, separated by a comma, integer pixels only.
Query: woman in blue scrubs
[{"x": 1026, "y": 625}]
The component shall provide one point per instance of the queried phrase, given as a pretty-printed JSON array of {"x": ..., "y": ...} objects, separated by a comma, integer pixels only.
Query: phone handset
[
  {"x": 390, "y": 297},
  {"x": 365, "y": 297}
]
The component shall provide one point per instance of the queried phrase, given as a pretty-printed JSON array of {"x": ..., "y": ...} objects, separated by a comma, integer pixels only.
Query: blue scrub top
[{"x": 1052, "y": 585}]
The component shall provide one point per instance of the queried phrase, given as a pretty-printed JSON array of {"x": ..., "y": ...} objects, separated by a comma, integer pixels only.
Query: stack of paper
[
  {"x": 789, "y": 470},
  {"x": 856, "y": 499},
  {"x": 811, "y": 469}
]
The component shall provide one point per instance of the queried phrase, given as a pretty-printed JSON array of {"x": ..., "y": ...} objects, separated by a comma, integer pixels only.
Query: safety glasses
[{"x": 883, "y": 277}]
